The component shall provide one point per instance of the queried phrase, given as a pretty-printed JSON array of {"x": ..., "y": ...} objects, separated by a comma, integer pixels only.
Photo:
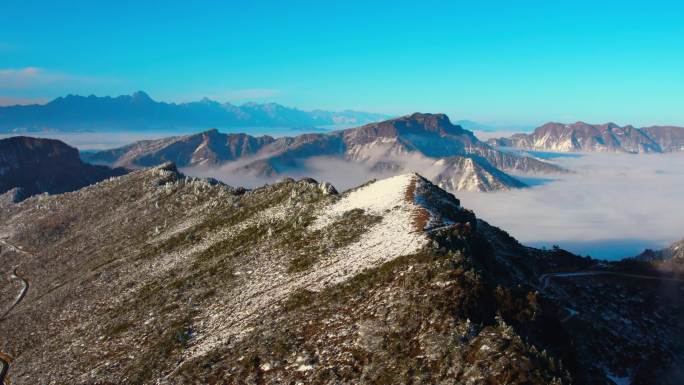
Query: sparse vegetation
[
  {"x": 152, "y": 275},
  {"x": 313, "y": 245}
]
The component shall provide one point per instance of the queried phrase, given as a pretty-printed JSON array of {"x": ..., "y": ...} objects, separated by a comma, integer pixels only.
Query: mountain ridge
[
  {"x": 37, "y": 165},
  {"x": 458, "y": 158},
  {"x": 670, "y": 258},
  {"x": 158, "y": 278},
  {"x": 607, "y": 137},
  {"x": 140, "y": 112}
]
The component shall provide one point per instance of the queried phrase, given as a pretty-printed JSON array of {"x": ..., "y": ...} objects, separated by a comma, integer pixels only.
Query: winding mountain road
[
  {"x": 5, "y": 359},
  {"x": 24, "y": 288},
  {"x": 545, "y": 281}
]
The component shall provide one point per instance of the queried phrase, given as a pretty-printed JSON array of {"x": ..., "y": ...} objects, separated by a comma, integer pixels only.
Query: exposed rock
[
  {"x": 36, "y": 165},
  {"x": 14, "y": 195},
  {"x": 670, "y": 258},
  {"x": 327, "y": 188},
  {"x": 607, "y": 137}
]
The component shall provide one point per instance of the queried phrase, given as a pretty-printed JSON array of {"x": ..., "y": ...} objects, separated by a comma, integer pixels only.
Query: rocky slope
[
  {"x": 457, "y": 160},
  {"x": 459, "y": 173},
  {"x": 668, "y": 138},
  {"x": 31, "y": 166},
  {"x": 607, "y": 137},
  {"x": 139, "y": 112},
  {"x": 670, "y": 258},
  {"x": 209, "y": 148},
  {"x": 154, "y": 278}
]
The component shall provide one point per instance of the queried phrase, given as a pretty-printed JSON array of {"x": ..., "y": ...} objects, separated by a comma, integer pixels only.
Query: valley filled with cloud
[{"x": 613, "y": 206}]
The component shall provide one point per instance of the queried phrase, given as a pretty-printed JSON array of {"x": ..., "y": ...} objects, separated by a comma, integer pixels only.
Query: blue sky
[{"x": 498, "y": 61}]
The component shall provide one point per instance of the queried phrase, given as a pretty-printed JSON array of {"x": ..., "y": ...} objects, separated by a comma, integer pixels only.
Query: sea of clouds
[
  {"x": 343, "y": 174},
  {"x": 613, "y": 206}
]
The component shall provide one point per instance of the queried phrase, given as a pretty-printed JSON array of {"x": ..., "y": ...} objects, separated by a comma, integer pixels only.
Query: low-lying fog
[
  {"x": 341, "y": 173},
  {"x": 614, "y": 206}
]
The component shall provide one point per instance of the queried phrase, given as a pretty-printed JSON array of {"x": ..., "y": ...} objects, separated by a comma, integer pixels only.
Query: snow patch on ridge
[
  {"x": 406, "y": 211},
  {"x": 396, "y": 234},
  {"x": 377, "y": 198}
]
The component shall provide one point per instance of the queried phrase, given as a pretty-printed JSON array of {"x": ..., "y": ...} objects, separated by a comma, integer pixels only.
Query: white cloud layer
[
  {"x": 342, "y": 174},
  {"x": 614, "y": 206}
]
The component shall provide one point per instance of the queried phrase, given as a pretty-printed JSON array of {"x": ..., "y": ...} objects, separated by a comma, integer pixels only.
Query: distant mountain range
[
  {"x": 140, "y": 112},
  {"x": 30, "y": 166},
  {"x": 607, "y": 137},
  {"x": 451, "y": 156}
]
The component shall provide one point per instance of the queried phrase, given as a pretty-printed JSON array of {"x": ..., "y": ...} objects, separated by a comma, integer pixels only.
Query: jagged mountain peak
[
  {"x": 580, "y": 124},
  {"x": 606, "y": 137},
  {"x": 139, "y": 111},
  {"x": 141, "y": 96},
  {"x": 417, "y": 124},
  {"x": 73, "y": 99},
  {"x": 425, "y": 122},
  {"x": 669, "y": 258},
  {"x": 211, "y": 131},
  {"x": 433, "y": 119}
]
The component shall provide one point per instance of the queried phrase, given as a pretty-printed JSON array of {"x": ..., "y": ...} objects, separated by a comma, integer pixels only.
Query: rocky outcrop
[
  {"x": 668, "y": 138},
  {"x": 607, "y": 137},
  {"x": 36, "y": 166},
  {"x": 670, "y": 258},
  {"x": 466, "y": 174}
]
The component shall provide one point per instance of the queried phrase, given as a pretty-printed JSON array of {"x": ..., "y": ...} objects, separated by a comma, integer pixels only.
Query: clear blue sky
[{"x": 492, "y": 61}]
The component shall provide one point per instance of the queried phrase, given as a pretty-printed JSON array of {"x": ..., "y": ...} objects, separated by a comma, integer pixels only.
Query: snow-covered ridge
[
  {"x": 389, "y": 197},
  {"x": 377, "y": 198},
  {"x": 409, "y": 206},
  {"x": 393, "y": 236}
]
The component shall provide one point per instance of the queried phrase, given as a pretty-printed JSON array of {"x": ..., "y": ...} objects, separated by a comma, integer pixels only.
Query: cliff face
[
  {"x": 607, "y": 137},
  {"x": 36, "y": 166},
  {"x": 669, "y": 138},
  {"x": 153, "y": 277}
]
